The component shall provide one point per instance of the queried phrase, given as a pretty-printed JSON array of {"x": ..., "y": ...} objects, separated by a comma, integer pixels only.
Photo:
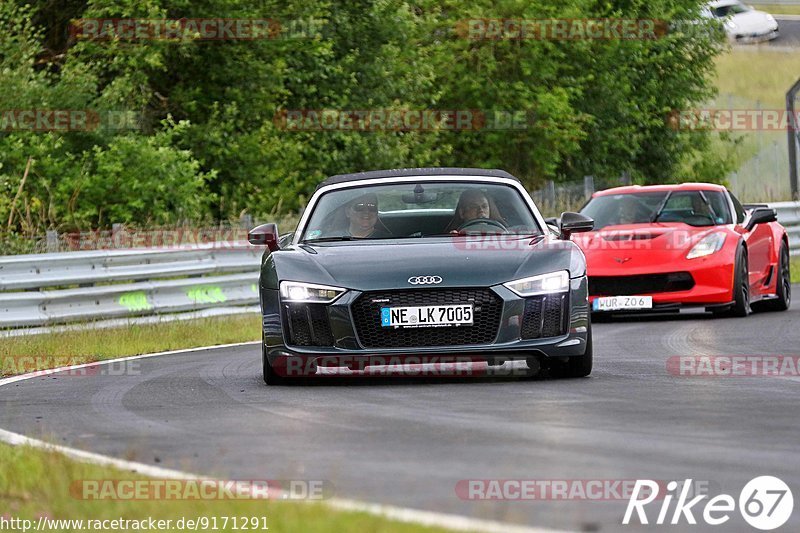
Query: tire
[
  {"x": 784, "y": 286},
  {"x": 741, "y": 286},
  {"x": 578, "y": 366}
]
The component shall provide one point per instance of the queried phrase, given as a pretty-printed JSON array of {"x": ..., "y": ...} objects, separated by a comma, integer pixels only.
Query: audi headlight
[
  {"x": 295, "y": 291},
  {"x": 543, "y": 284},
  {"x": 730, "y": 24},
  {"x": 707, "y": 246}
]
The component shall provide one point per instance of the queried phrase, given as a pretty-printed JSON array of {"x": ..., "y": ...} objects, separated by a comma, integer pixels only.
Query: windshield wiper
[
  {"x": 710, "y": 207},
  {"x": 661, "y": 207},
  {"x": 333, "y": 239}
]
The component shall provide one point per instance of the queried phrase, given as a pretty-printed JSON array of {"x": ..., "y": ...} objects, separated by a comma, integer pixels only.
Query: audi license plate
[
  {"x": 426, "y": 316},
  {"x": 621, "y": 303}
]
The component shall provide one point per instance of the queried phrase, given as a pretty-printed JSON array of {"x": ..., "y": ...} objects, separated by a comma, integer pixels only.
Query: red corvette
[{"x": 665, "y": 247}]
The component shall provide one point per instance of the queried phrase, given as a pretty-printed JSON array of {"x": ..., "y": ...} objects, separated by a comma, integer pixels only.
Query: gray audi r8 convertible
[{"x": 423, "y": 265}]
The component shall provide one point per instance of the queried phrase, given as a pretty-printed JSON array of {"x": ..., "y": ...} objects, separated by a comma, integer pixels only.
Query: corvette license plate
[
  {"x": 618, "y": 303},
  {"x": 426, "y": 316}
]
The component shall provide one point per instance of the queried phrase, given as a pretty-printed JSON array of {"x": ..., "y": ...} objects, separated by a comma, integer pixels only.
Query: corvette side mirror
[
  {"x": 761, "y": 215},
  {"x": 574, "y": 223},
  {"x": 264, "y": 235}
]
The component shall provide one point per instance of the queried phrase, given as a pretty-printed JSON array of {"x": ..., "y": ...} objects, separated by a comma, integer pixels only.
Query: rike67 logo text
[{"x": 765, "y": 503}]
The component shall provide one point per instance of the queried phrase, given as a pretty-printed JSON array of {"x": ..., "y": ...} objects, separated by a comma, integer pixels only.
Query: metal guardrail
[
  {"x": 58, "y": 288},
  {"x": 40, "y": 288},
  {"x": 789, "y": 216}
]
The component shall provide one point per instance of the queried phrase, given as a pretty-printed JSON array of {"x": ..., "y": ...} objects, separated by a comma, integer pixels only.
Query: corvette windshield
[
  {"x": 419, "y": 209},
  {"x": 695, "y": 208}
]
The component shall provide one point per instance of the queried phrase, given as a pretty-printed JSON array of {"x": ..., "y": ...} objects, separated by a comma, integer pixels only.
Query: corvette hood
[
  {"x": 458, "y": 261},
  {"x": 639, "y": 248}
]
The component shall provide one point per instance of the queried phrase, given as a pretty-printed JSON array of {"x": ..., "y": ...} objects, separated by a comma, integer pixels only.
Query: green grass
[
  {"x": 795, "y": 269},
  {"x": 35, "y": 483},
  {"x": 37, "y": 352},
  {"x": 757, "y": 75},
  {"x": 777, "y": 9},
  {"x": 747, "y": 77}
]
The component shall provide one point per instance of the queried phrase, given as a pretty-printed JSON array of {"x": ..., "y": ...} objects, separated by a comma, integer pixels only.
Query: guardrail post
[
  {"x": 792, "y": 132},
  {"x": 117, "y": 230},
  {"x": 588, "y": 186},
  {"x": 625, "y": 178},
  {"x": 550, "y": 193},
  {"x": 246, "y": 221},
  {"x": 52, "y": 240}
]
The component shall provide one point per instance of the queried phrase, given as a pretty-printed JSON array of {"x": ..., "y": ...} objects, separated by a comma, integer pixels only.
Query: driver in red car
[{"x": 474, "y": 204}]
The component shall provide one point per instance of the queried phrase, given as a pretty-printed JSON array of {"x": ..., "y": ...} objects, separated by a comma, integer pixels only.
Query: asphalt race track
[
  {"x": 789, "y": 28},
  {"x": 408, "y": 443}
]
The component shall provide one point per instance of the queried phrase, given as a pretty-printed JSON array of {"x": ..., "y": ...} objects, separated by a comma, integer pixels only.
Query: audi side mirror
[
  {"x": 574, "y": 223},
  {"x": 761, "y": 215},
  {"x": 264, "y": 235}
]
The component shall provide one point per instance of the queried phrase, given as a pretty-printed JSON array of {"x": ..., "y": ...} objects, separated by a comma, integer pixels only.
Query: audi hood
[{"x": 458, "y": 261}]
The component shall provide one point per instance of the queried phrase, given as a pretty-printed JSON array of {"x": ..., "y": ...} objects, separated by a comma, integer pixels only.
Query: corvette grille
[
  {"x": 308, "y": 325},
  {"x": 643, "y": 284},
  {"x": 487, "y": 307},
  {"x": 545, "y": 316}
]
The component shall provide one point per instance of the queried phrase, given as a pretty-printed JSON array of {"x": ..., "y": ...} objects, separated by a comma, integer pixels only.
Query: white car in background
[{"x": 742, "y": 23}]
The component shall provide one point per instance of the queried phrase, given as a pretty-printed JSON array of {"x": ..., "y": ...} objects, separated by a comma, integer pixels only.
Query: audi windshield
[{"x": 419, "y": 209}]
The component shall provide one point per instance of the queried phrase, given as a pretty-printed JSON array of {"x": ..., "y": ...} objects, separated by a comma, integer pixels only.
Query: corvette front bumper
[{"x": 712, "y": 283}]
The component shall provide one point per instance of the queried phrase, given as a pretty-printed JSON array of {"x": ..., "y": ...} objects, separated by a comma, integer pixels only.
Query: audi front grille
[{"x": 366, "y": 310}]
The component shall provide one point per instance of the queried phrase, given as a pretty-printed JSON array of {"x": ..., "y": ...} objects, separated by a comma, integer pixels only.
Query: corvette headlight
[
  {"x": 707, "y": 246},
  {"x": 542, "y": 284},
  {"x": 295, "y": 291}
]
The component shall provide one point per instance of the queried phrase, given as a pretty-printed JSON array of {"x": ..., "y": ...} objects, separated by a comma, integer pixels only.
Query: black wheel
[
  {"x": 784, "y": 287},
  {"x": 741, "y": 286},
  {"x": 577, "y": 366}
]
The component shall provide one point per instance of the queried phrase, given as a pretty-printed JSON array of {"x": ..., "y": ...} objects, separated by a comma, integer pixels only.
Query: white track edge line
[{"x": 400, "y": 514}]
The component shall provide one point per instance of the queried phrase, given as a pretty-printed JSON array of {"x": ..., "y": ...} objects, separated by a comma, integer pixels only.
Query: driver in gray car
[{"x": 474, "y": 204}]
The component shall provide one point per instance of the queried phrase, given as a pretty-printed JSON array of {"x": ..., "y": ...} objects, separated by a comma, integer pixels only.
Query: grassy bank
[
  {"x": 777, "y": 9},
  {"x": 751, "y": 78},
  {"x": 795, "y": 268},
  {"x": 36, "y": 484},
  {"x": 757, "y": 75},
  {"x": 36, "y": 352}
]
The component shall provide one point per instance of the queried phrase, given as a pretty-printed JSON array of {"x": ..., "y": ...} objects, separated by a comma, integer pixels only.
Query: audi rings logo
[{"x": 425, "y": 280}]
